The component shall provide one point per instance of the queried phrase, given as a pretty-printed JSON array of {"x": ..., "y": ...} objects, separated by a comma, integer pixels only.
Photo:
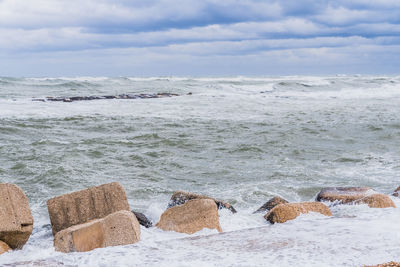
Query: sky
[{"x": 199, "y": 37}]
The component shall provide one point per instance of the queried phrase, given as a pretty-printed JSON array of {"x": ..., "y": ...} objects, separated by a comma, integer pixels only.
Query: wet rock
[
  {"x": 181, "y": 197},
  {"x": 16, "y": 221},
  {"x": 397, "y": 192},
  {"x": 355, "y": 195},
  {"x": 3, "y": 247},
  {"x": 289, "y": 211},
  {"x": 377, "y": 201},
  {"x": 191, "y": 217},
  {"x": 388, "y": 264},
  {"x": 119, "y": 228},
  {"x": 143, "y": 220},
  {"x": 85, "y": 205},
  {"x": 270, "y": 204},
  {"x": 344, "y": 195}
]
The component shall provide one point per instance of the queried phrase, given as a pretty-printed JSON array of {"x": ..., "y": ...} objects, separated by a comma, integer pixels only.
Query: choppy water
[{"x": 240, "y": 139}]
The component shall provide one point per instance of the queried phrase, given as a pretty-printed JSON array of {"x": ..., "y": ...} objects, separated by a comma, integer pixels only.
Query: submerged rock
[
  {"x": 119, "y": 228},
  {"x": 143, "y": 220},
  {"x": 355, "y": 195},
  {"x": 85, "y": 205},
  {"x": 377, "y": 201},
  {"x": 191, "y": 217},
  {"x": 181, "y": 197},
  {"x": 16, "y": 221},
  {"x": 289, "y": 211},
  {"x": 270, "y": 204},
  {"x": 3, "y": 247}
]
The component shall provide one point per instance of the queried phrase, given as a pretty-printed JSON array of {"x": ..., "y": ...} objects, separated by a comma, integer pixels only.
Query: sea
[{"x": 239, "y": 139}]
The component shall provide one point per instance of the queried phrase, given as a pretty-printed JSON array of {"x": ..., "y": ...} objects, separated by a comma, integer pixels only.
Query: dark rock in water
[
  {"x": 143, "y": 220},
  {"x": 397, "y": 192},
  {"x": 121, "y": 96},
  {"x": 181, "y": 197},
  {"x": 270, "y": 204}
]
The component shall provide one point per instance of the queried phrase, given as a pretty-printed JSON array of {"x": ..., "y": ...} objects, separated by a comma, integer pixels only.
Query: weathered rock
[
  {"x": 3, "y": 247},
  {"x": 388, "y": 264},
  {"x": 377, "y": 201},
  {"x": 16, "y": 221},
  {"x": 289, "y": 211},
  {"x": 85, "y": 205},
  {"x": 397, "y": 192},
  {"x": 143, "y": 220},
  {"x": 344, "y": 195},
  {"x": 181, "y": 197},
  {"x": 270, "y": 204},
  {"x": 119, "y": 228},
  {"x": 191, "y": 217}
]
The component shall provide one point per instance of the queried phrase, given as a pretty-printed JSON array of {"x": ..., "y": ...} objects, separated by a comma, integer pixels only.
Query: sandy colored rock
[
  {"x": 289, "y": 211},
  {"x": 119, "y": 228},
  {"x": 3, "y": 247},
  {"x": 397, "y": 192},
  {"x": 344, "y": 195},
  {"x": 181, "y": 197},
  {"x": 388, "y": 264},
  {"x": 270, "y": 204},
  {"x": 16, "y": 221},
  {"x": 85, "y": 205},
  {"x": 191, "y": 217},
  {"x": 377, "y": 201}
]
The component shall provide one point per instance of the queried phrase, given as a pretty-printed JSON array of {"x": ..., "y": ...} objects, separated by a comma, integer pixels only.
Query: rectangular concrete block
[
  {"x": 16, "y": 221},
  {"x": 119, "y": 228},
  {"x": 85, "y": 205}
]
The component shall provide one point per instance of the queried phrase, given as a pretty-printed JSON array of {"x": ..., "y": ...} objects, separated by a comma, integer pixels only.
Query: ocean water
[{"x": 240, "y": 139}]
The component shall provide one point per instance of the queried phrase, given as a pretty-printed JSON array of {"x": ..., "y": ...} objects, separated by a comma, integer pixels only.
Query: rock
[
  {"x": 397, "y": 192},
  {"x": 119, "y": 228},
  {"x": 143, "y": 220},
  {"x": 289, "y": 211},
  {"x": 181, "y": 197},
  {"x": 377, "y": 201},
  {"x": 344, "y": 195},
  {"x": 355, "y": 195},
  {"x": 388, "y": 264},
  {"x": 270, "y": 204},
  {"x": 16, "y": 221},
  {"x": 85, "y": 205},
  {"x": 3, "y": 247},
  {"x": 191, "y": 217}
]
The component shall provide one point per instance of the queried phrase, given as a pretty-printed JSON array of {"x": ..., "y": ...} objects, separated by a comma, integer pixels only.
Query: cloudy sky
[{"x": 198, "y": 37}]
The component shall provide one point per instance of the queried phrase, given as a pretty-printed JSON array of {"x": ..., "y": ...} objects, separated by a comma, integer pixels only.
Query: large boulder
[
  {"x": 16, "y": 221},
  {"x": 397, "y": 192},
  {"x": 289, "y": 211},
  {"x": 119, "y": 228},
  {"x": 85, "y": 205},
  {"x": 377, "y": 201},
  {"x": 181, "y": 197},
  {"x": 355, "y": 195},
  {"x": 191, "y": 217},
  {"x": 270, "y": 204},
  {"x": 388, "y": 264},
  {"x": 344, "y": 195},
  {"x": 3, "y": 247}
]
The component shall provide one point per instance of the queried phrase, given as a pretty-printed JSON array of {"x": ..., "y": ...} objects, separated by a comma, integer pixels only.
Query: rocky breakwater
[
  {"x": 288, "y": 211},
  {"x": 190, "y": 217},
  {"x": 355, "y": 195},
  {"x": 92, "y": 218},
  {"x": 121, "y": 96},
  {"x": 16, "y": 221}
]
